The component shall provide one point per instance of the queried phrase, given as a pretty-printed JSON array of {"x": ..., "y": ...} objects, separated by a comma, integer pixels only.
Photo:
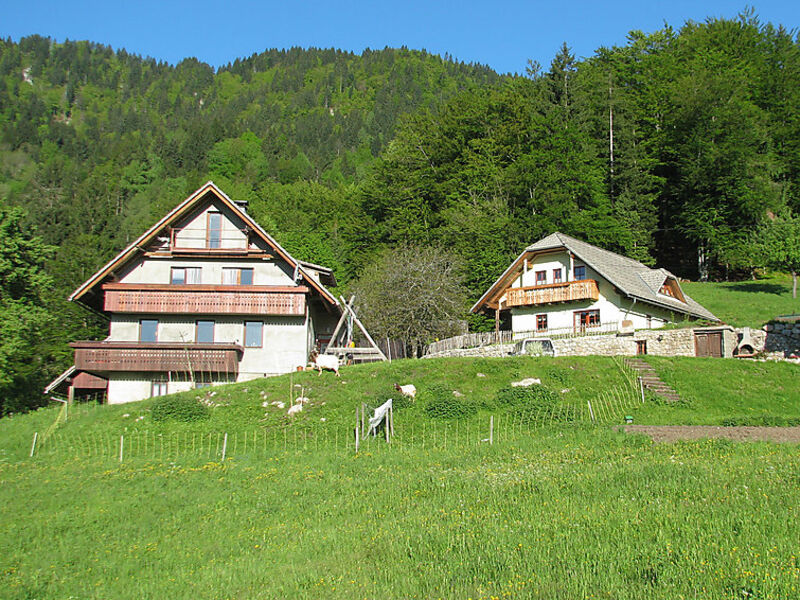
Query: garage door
[{"x": 708, "y": 344}]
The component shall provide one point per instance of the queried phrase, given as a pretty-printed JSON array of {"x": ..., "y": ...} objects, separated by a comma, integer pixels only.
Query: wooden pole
[
  {"x": 641, "y": 387},
  {"x": 70, "y": 400},
  {"x": 33, "y": 445},
  {"x": 391, "y": 418},
  {"x": 491, "y": 430},
  {"x": 591, "y": 412},
  {"x": 365, "y": 332},
  {"x": 386, "y": 425},
  {"x": 121, "y": 446},
  {"x": 224, "y": 446}
]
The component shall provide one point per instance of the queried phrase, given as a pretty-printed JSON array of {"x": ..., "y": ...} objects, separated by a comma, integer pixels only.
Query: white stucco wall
[
  {"x": 613, "y": 307},
  {"x": 158, "y": 270},
  {"x": 191, "y": 231},
  {"x": 286, "y": 342}
]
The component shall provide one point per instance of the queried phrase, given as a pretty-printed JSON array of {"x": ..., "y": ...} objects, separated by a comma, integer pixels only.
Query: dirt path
[{"x": 672, "y": 433}]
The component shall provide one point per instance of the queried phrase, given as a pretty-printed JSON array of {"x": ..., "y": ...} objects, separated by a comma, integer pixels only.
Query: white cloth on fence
[{"x": 380, "y": 415}]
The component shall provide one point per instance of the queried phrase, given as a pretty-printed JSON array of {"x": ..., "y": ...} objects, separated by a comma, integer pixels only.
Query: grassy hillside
[
  {"x": 746, "y": 303},
  {"x": 555, "y": 508},
  {"x": 714, "y": 392}
]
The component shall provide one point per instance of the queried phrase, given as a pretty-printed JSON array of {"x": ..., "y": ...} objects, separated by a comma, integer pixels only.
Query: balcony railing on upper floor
[
  {"x": 108, "y": 356},
  {"x": 585, "y": 289},
  {"x": 205, "y": 299}
]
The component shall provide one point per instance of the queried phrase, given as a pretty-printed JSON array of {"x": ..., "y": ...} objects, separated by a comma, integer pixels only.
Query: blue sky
[{"x": 503, "y": 35}]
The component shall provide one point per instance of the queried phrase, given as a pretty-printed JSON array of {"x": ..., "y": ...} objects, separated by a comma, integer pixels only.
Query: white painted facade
[
  {"x": 285, "y": 341},
  {"x": 613, "y": 307}
]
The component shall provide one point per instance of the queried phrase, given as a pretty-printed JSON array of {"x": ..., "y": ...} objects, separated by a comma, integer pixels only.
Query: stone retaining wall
[
  {"x": 778, "y": 340},
  {"x": 672, "y": 342},
  {"x": 775, "y": 342},
  {"x": 480, "y": 352}
]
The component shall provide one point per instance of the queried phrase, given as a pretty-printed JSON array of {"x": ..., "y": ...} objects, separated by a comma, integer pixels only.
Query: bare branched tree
[{"x": 415, "y": 294}]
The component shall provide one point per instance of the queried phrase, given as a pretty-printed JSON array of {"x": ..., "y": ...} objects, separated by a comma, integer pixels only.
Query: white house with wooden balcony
[
  {"x": 204, "y": 296},
  {"x": 563, "y": 285}
]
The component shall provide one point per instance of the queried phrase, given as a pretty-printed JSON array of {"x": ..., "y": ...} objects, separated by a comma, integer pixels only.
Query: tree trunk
[
  {"x": 702, "y": 265},
  {"x": 611, "y": 139},
  {"x": 794, "y": 284}
]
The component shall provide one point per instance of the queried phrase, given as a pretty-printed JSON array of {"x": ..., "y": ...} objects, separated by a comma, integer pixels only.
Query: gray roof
[{"x": 629, "y": 276}]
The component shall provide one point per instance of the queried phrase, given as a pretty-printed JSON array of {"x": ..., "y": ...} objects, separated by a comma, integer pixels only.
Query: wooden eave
[
  {"x": 215, "y": 252},
  {"x": 192, "y": 287},
  {"x": 491, "y": 298},
  {"x": 184, "y": 207}
]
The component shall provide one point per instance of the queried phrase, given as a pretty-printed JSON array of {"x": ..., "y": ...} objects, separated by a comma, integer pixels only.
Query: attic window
[
  {"x": 671, "y": 289},
  {"x": 214, "y": 231}
]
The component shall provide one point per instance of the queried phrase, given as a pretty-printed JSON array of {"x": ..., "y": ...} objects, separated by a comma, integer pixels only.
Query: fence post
[
  {"x": 121, "y": 446},
  {"x": 491, "y": 430},
  {"x": 357, "y": 440},
  {"x": 33, "y": 445},
  {"x": 591, "y": 412},
  {"x": 641, "y": 387},
  {"x": 224, "y": 446}
]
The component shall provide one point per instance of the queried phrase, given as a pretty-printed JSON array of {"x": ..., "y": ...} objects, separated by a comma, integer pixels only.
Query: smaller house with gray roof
[{"x": 562, "y": 285}]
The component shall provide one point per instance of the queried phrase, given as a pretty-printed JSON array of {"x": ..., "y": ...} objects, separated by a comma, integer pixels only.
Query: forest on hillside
[{"x": 673, "y": 149}]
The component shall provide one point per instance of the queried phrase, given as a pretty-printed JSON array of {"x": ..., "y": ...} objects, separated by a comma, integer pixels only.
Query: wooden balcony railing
[
  {"x": 586, "y": 289},
  {"x": 104, "y": 357},
  {"x": 205, "y": 299}
]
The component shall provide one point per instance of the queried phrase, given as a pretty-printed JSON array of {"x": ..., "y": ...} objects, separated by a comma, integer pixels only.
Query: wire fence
[{"x": 609, "y": 407}]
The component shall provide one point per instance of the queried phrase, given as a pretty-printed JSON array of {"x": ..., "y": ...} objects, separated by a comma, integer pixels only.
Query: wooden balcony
[
  {"x": 105, "y": 357},
  {"x": 205, "y": 299},
  {"x": 552, "y": 293}
]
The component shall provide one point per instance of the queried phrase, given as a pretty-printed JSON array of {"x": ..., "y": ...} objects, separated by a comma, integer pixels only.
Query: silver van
[{"x": 534, "y": 347}]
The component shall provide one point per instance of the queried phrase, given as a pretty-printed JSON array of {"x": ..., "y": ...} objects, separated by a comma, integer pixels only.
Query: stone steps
[{"x": 651, "y": 381}]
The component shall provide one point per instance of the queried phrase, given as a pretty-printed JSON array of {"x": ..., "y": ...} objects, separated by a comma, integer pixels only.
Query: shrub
[
  {"x": 531, "y": 397},
  {"x": 533, "y": 404},
  {"x": 179, "y": 408},
  {"x": 442, "y": 404}
]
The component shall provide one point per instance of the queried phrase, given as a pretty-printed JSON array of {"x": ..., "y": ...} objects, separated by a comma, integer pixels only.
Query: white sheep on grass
[
  {"x": 325, "y": 361},
  {"x": 407, "y": 390}
]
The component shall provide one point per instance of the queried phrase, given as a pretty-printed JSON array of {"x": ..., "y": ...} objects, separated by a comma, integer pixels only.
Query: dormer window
[{"x": 671, "y": 289}]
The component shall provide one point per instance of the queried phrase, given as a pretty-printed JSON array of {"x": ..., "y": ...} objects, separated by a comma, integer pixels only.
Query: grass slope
[
  {"x": 564, "y": 511},
  {"x": 746, "y": 303}
]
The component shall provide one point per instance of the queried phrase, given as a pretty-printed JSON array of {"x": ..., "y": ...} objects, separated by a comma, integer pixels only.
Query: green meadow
[
  {"x": 746, "y": 303},
  {"x": 564, "y": 513},
  {"x": 555, "y": 507}
]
